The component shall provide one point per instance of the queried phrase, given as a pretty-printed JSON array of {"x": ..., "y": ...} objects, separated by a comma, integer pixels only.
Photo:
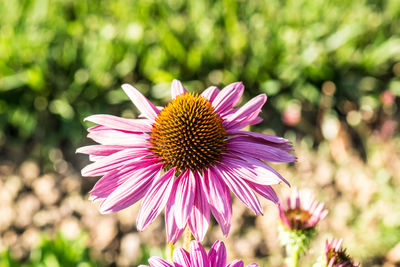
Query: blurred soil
[{"x": 361, "y": 195}]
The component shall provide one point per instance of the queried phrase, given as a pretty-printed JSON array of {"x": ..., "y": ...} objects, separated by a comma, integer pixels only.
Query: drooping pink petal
[
  {"x": 250, "y": 172},
  {"x": 246, "y": 122},
  {"x": 102, "y": 128},
  {"x": 246, "y": 113},
  {"x": 155, "y": 199},
  {"x": 200, "y": 216},
  {"x": 220, "y": 200},
  {"x": 285, "y": 146},
  {"x": 228, "y": 97},
  {"x": 177, "y": 89},
  {"x": 97, "y": 128},
  {"x": 261, "y": 164},
  {"x": 259, "y": 151},
  {"x": 119, "y": 123},
  {"x": 114, "y": 161},
  {"x": 109, "y": 182},
  {"x": 217, "y": 254},
  {"x": 198, "y": 255},
  {"x": 184, "y": 197},
  {"x": 159, "y": 108},
  {"x": 265, "y": 191},
  {"x": 266, "y": 137},
  {"x": 255, "y": 121},
  {"x": 159, "y": 262},
  {"x": 210, "y": 93},
  {"x": 100, "y": 150},
  {"x": 236, "y": 263},
  {"x": 140, "y": 101},
  {"x": 114, "y": 137},
  {"x": 252, "y": 265},
  {"x": 172, "y": 230},
  {"x": 94, "y": 158},
  {"x": 181, "y": 258},
  {"x": 239, "y": 188},
  {"x": 131, "y": 190}
]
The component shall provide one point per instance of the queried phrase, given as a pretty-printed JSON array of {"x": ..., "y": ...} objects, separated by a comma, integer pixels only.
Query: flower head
[
  {"x": 198, "y": 257},
  {"x": 302, "y": 212},
  {"x": 336, "y": 256},
  {"x": 186, "y": 157}
]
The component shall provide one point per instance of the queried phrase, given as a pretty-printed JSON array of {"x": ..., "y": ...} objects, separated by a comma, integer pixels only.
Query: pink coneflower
[
  {"x": 301, "y": 212},
  {"x": 198, "y": 257},
  {"x": 336, "y": 256},
  {"x": 186, "y": 157}
]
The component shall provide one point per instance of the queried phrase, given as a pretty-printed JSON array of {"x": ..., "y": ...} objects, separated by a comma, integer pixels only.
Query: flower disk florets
[
  {"x": 298, "y": 218},
  {"x": 188, "y": 133},
  {"x": 336, "y": 256},
  {"x": 341, "y": 258}
]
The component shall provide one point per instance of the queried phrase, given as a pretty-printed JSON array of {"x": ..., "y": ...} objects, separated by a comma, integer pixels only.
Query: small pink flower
[
  {"x": 198, "y": 257},
  {"x": 292, "y": 114},
  {"x": 337, "y": 256},
  {"x": 387, "y": 98},
  {"x": 186, "y": 157},
  {"x": 302, "y": 212}
]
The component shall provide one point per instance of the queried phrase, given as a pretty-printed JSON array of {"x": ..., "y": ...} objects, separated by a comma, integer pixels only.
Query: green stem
[
  {"x": 293, "y": 259},
  {"x": 187, "y": 238},
  {"x": 170, "y": 251}
]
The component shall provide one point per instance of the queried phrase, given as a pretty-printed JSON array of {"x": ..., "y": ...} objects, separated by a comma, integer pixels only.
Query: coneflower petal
[
  {"x": 236, "y": 263},
  {"x": 177, "y": 89},
  {"x": 198, "y": 255},
  {"x": 184, "y": 197},
  {"x": 210, "y": 93},
  {"x": 118, "y": 123},
  {"x": 140, "y": 101},
  {"x": 220, "y": 200},
  {"x": 200, "y": 217},
  {"x": 181, "y": 257},
  {"x": 159, "y": 262},
  {"x": 155, "y": 199},
  {"x": 243, "y": 192},
  {"x": 228, "y": 97},
  {"x": 131, "y": 191},
  {"x": 217, "y": 254}
]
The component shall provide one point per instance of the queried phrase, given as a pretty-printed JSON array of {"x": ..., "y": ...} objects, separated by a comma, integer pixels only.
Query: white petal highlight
[
  {"x": 155, "y": 200},
  {"x": 119, "y": 123},
  {"x": 177, "y": 89},
  {"x": 184, "y": 198},
  {"x": 228, "y": 97},
  {"x": 141, "y": 102}
]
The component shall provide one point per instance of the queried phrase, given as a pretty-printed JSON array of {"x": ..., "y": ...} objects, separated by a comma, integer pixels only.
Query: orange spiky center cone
[
  {"x": 341, "y": 257},
  {"x": 188, "y": 133}
]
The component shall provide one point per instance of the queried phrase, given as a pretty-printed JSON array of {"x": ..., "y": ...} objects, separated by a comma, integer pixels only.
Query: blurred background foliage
[
  {"x": 331, "y": 70},
  {"x": 60, "y": 251},
  {"x": 61, "y": 60},
  {"x": 57, "y": 252}
]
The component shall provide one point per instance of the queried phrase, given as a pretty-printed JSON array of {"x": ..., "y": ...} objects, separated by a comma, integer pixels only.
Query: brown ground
[{"x": 360, "y": 195}]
